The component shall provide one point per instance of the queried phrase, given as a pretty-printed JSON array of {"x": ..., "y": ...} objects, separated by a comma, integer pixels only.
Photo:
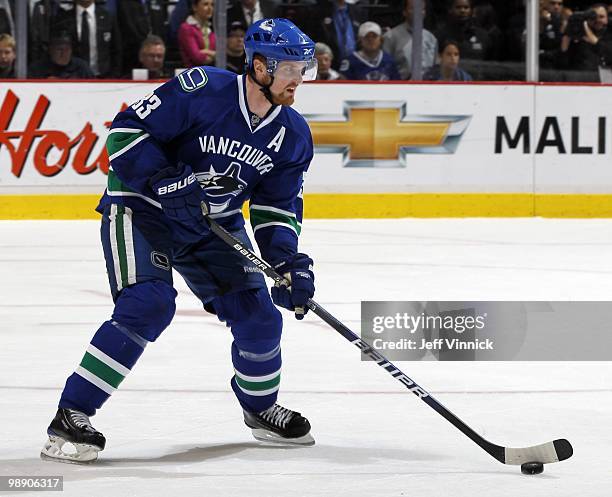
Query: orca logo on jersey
[
  {"x": 226, "y": 184},
  {"x": 219, "y": 184},
  {"x": 177, "y": 185}
]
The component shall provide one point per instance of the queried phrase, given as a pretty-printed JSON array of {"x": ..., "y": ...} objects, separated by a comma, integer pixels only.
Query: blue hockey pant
[{"x": 140, "y": 256}]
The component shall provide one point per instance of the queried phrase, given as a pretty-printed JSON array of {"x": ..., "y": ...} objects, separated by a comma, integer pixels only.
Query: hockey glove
[
  {"x": 297, "y": 269},
  {"x": 183, "y": 201}
]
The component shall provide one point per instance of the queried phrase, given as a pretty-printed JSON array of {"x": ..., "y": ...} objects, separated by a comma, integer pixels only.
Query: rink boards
[{"x": 381, "y": 150}]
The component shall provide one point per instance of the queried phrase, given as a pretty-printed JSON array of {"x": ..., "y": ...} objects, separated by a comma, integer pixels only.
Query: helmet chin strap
[{"x": 265, "y": 89}]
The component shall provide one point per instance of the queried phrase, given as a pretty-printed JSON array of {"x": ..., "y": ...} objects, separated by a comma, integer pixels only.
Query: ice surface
[{"x": 174, "y": 428}]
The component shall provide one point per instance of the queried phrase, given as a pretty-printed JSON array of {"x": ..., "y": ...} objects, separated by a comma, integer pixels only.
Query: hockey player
[{"x": 207, "y": 140}]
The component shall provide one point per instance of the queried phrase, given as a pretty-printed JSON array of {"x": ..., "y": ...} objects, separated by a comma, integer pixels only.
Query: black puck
[{"x": 532, "y": 468}]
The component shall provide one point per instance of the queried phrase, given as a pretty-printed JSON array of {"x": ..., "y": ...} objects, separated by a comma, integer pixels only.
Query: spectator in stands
[
  {"x": 587, "y": 45},
  {"x": 152, "y": 56},
  {"x": 485, "y": 17},
  {"x": 370, "y": 62},
  {"x": 135, "y": 26},
  {"x": 249, "y": 11},
  {"x": 158, "y": 15},
  {"x": 550, "y": 32},
  {"x": 516, "y": 34},
  {"x": 6, "y": 18},
  {"x": 325, "y": 56},
  {"x": 180, "y": 12},
  {"x": 566, "y": 13},
  {"x": 448, "y": 68},
  {"x": 386, "y": 13},
  {"x": 43, "y": 12},
  {"x": 196, "y": 39},
  {"x": 235, "y": 47},
  {"x": 439, "y": 11},
  {"x": 7, "y": 56},
  {"x": 59, "y": 62},
  {"x": 156, "y": 11},
  {"x": 95, "y": 35},
  {"x": 460, "y": 26},
  {"x": 303, "y": 13},
  {"x": 555, "y": 7},
  {"x": 398, "y": 43},
  {"x": 338, "y": 22}
]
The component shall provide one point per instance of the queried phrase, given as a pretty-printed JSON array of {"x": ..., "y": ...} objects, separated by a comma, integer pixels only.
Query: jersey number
[{"x": 146, "y": 105}]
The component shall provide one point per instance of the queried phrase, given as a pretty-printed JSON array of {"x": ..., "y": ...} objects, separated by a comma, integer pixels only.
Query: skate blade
[
  {"x": 271, "y": 437},
  {"x": 82, "y": 454}
]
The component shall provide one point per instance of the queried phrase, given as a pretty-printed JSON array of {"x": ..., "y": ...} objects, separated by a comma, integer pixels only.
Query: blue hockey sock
[
  {"x": 141, "y": 314},
  {"x": 256, "y": 378},
  {"x": 112, "y": 353}
]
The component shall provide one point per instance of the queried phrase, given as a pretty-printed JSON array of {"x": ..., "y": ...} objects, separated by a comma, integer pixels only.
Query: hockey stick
[{"x": 555, "y": 451}]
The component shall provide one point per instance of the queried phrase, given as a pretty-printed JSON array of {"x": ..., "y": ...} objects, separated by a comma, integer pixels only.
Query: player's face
[
  {"x": 284, "y": 87},
  {"x": 288, "y": 76}
]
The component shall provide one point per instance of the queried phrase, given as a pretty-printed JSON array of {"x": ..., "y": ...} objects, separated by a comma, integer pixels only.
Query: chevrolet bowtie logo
[{"x": 381, "y": 134}]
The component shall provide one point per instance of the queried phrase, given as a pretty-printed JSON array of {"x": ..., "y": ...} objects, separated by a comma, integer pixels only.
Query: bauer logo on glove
[
  {"x": 297, "y": 270},
  {"x": 183, "y": 202},
  {"x": 178, "y": 185}
]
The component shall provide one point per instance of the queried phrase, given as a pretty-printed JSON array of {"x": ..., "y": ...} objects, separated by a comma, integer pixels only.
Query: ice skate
[
  {"x": 72, "y": 439},
  {"x": 279, "y": 425}
]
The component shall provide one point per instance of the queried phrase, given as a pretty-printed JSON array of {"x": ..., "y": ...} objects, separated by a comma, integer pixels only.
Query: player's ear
[{"x": 259, "y": 65}]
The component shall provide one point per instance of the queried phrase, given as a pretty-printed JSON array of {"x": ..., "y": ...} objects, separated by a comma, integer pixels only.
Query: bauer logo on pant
[{"x": 381, "y": 134}]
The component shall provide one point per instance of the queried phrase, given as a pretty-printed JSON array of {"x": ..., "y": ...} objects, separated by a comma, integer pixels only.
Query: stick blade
[
  {"x": 546, "y": 453},
  {"x": 564, "y": 449}
]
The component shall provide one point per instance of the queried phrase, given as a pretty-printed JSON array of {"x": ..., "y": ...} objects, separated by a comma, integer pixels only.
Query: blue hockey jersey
[
  {"x": 201, "y": 118},
  {"x": 355, "y": 67}
]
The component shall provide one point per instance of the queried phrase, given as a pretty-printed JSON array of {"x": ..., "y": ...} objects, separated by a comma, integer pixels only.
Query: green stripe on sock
[
  {"x": 261, "y": 217},
  {"x": 257, "y": 386},
  {"x": 121, "y": 246},
  {"x": 118, "y": 141},
  {"x": 101, "y": 370}
]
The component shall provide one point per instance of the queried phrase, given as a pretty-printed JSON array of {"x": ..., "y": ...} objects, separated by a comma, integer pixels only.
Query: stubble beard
[{"x": 283, "y": 98}]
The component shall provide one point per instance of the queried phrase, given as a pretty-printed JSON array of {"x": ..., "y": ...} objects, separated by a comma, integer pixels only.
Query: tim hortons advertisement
[{"x": 368, "y": 138}]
